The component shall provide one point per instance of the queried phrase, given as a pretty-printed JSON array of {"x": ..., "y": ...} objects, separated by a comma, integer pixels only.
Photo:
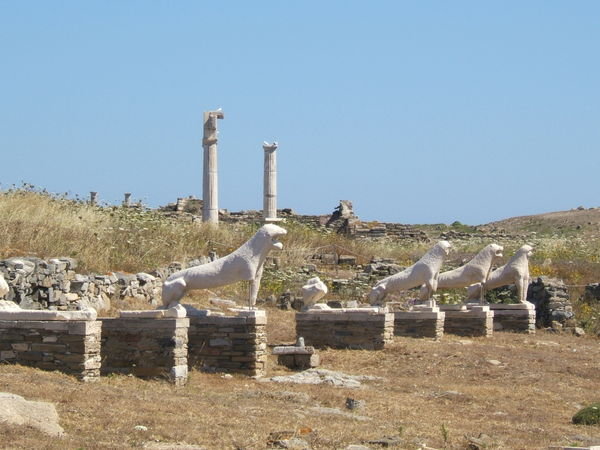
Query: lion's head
[
  {"x": 497, "y": 249},
  {"x": 526, "y": 250},
  {"x": 444, "y": 246},
  {"x": 271, "y": 233}
]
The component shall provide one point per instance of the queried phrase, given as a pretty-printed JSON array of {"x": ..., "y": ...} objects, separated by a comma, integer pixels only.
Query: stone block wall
[
  {"x": 232, "y": 344},
  {"x": 146, "y": 347},
  {"x": 54, "y": 285},
  {"x": 353, "y": 328},
  {"x": 419, "y": 324},
  {"x": 69, "y": 346},
  {"x": 551, "y": 299},
  {"x": 478, "y": 321},
  {"x": 518, "y": 318}
]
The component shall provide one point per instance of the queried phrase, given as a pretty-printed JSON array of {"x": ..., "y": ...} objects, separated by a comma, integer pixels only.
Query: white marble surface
[
  {"x": 515, "y": 271},
  {"x": 475, "y": 271},
  {"x": 244, "y": 264},
  {"x": 313, "y": 291},
  {"x": 424, "y": 271}
]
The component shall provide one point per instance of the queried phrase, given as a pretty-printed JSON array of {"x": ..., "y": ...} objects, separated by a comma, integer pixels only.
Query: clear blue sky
[{"x": 417, "y": 111}]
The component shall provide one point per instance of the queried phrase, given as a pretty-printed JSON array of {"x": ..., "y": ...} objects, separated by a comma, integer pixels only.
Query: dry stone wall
[
  {"x": 69, "y": 346},
  {"x": 54, "y": 284},
  {"x": 353, "y": 328},
  {"x": 146, "y": 347},
  {"x": 551, "y": 299},
  {"x": 232, "y": 344}
]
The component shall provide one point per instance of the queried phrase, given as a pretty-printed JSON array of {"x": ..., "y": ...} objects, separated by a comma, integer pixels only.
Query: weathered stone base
[
  {"x": 353, "y": 328},
  {"x": 297, "y": 357},
  {"x": 231, "y": 344},
  {"x": 146, "y": 347},
  {"x": 518, "y": 318},
  {"x": 69, "y": 346},
  {"x": 299, "y": 362},
  {"x": 416, "y": 323},
  {"x": 475, "y": 321}
]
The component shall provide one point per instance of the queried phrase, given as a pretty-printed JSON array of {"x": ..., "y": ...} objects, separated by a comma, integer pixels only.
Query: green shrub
[{"x": 590, "y": 415}]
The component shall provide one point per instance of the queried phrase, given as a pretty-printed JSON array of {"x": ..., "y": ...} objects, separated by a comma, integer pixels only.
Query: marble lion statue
[
  {"x": 475, "y": 271},
  {"x": 515, "y": 271},
  {"x": 244, "y": 264},
  {"x": 3, "y": 286},
  {"x": 424, "y": 271},
  {"x": 313, "y": 291}
]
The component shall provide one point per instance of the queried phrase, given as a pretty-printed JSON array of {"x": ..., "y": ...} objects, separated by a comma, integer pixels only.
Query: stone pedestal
[
  {"x": 270, "y": 182},
  {"x": 419, "y": 323},
  {"x": 519, "y": 318},
  {"x": 297, "y": 357},
  {"x": 52, "y": 341},
  {"x": 146, "y": 347},
  {"x": 353, "y": 328},
  {"x": 210, "y": 186},
  {"x": 473, "y": 321},
  {"x": 231, "y": 344}
]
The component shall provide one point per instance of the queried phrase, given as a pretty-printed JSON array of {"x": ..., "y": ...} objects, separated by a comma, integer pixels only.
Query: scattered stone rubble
[{"x": 551, "y": 299}]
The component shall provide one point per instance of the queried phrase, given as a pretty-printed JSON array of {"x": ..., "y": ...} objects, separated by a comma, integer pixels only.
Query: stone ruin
[{"x": 54, "y": 284}]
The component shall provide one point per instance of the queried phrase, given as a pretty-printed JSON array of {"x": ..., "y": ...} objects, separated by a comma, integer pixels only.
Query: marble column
[
  {"x": 127, "y": 199},
  {"x": 270, "y": 182},
  {"x": 210, "y": 188},
  {"x": 93, "y": 198}
]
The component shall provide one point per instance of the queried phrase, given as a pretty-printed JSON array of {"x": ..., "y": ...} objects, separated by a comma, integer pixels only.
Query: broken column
[
  {"x": 127, "y": 199},
  {"x": 210, "y": 190},
  {"x": 270, "y": 182},
  {"x": 93, "y": 198}
]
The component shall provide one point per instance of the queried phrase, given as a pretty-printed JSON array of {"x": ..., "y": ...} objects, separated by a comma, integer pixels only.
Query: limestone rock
[
  {"x": 15, "y": 410},
  {"x": 324, "y": 376}
]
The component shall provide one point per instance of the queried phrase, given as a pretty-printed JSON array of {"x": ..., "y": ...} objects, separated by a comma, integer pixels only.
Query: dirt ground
[{"x": 510, "y": 391}]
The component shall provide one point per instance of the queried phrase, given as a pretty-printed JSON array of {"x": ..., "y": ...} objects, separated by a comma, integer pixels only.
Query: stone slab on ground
[
  {"x": 324, "y": 376},
  {"x": 15, "y": 410}
]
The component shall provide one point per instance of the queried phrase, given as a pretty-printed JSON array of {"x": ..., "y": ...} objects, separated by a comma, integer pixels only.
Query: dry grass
[
  {"x": 107, "y": 239},
  {"x": 432, "y": 392}
]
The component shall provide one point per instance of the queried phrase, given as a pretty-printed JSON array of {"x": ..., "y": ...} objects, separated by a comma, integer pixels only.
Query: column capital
[
  {"x": 270, "y": 147},
  {"x": 210, "y": 126}
]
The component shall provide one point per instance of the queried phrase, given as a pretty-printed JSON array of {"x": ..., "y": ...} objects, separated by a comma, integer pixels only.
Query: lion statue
[
  {"x": 424, "y": 271},
  {"x": 313, "y": 291},
  {"x": 515, "y": 271},
  {"x": 244, "y": 264},
  {"x": 475, "y": 271},
  {"x": 3, "y": 286}
]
